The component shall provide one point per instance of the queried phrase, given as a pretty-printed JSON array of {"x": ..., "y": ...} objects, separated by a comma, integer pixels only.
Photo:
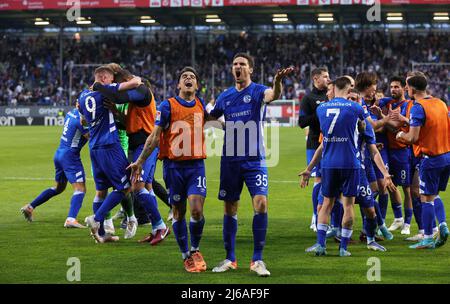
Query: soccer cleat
[
  {"x": 386, "y": 233},
  {"x": 159, "y": 236},
  {"x": 94, "y": 226},
  {"x": 427, "y": 243},
  {"x": 416, "y": 238},
  {"x": 27, "y": 212},
  {"x": 260, "y": 268},
  {"x": 375, "y": 246},
  {"x": 397, "y": 224},
  {"x": 406, "y": 229},
  {"x": 344, "y": 253},
  {"x": 332, "y": 232},
  {"x": 189, "y": 265},
  {"x": 147, "y": 239},
  {"x": 312, "y": 248},
  {"x": 131, "y": 229},
  {"x": 109, "y": 227},
  {"x": 73, "y": 224},
  {"x": 225, "y": 265},
  {"x": 109, "y": 238},
  {"x": 317, "y": 249},
  {"x": 198, "y": 260},
  {"x": 443, "y": 235}
]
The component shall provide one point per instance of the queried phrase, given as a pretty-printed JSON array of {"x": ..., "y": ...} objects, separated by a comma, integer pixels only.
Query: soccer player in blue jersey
[
  {"x": 179, "y": 135},
  {"x": 108, "y": 158},
  {"x": 68, "y": 168},
  {"x": 339, "y": 119},
  {"x": 430, "y": 133},
  {"x": 243, "y": 156}
]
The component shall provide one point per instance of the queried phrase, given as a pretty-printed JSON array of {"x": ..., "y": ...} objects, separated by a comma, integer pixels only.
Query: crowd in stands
[{"x": 30, "y": 69}]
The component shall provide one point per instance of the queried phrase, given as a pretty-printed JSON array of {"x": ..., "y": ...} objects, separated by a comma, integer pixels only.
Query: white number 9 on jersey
[{"x": 91, "y": 109}]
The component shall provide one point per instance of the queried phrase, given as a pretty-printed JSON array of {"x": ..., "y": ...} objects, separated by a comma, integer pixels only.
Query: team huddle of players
[
  {"x": 118, "y": 116},
  {"x": 175, "y": 135},
  {"x": 361, "y": 146}
]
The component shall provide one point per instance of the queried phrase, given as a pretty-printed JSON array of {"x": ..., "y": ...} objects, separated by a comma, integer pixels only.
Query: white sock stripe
[
  {"x": 98, "y": 199},
  {"x": 78, "y": 192},
  {"x": 323, "y": 227},
  {"x": 79, "y": 173},
  {"x": 346, "y": 232}
]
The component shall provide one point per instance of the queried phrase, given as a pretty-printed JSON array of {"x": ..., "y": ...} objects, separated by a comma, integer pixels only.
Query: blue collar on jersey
[{"x": 184, "y": 102}]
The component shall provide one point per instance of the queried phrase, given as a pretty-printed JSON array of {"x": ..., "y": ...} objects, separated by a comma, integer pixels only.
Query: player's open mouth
[
  {"x": 188, "y": 84},
  {"x": 238, "y": 74}
]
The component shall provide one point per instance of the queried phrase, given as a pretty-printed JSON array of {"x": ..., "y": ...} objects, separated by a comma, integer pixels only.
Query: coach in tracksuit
[{"x": 308, "y": 118}]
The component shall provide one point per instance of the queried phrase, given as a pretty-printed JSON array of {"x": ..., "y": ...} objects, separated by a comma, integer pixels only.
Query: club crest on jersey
[
  {"x": 247, "y": 98},
  {"x": 222, "y": 193},
  {"x": 176, "y": 197}
]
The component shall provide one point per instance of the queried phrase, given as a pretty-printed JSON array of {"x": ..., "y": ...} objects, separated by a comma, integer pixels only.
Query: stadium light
[
  {"x": 213, "y": 19},
  {"x": 325, "y": 17},
  {"x": 440, "y": 17},
  {"x": 394, "y": 17},
  {"x": 40, "y": 21},
  {"x": 83, "y": 21},
  {"x": 279, "y": 15},
  {"x": 147, "y": 20},
  {"x": 280, "y": 19}
]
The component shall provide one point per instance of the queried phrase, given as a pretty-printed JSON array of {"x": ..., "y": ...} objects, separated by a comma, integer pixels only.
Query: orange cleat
[
  {"x": 189, "y": 265},
  {"x": 199, "y": 261}
]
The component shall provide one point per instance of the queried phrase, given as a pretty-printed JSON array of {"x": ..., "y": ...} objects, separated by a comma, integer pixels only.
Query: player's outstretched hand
[
  {"x": 136, "y": 169},
  {"x": 305, "y": 175},
  {"x": 394, "y": 114},
  {"x": 389, "y": 183},
  {"x": 281, "y": 73},
  {"x": 376, "y": 110}
]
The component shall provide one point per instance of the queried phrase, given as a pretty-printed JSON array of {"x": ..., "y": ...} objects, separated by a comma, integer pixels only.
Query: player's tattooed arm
[
  {"x": 376, "y": 156},
  {"x": 409, "y": 138},
  {"x": 275, "y": 93},
  {"x": 150, "y": 144},
  {"x": 306, "y": 174}
]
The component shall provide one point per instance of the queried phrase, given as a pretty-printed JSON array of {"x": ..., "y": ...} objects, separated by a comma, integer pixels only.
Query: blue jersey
[
  {"x": 366, "y": 138},
  {"x": 244, "y": 113},
  {"x": 72, "y": 135},
  {"x": 102, "y": 126},
  {"x": 339, "y": 125},
  {"x": 380, "y": 137}
]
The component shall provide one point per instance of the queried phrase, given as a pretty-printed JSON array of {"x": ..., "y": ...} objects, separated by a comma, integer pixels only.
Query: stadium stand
[{"x": 29, "y": 73}]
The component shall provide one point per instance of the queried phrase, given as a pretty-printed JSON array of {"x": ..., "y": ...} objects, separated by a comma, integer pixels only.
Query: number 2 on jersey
[{"x": 336, "y": 115}]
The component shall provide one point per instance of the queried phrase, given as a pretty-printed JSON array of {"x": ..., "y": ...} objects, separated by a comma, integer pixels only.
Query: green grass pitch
[{"x": 38, "y": 252}]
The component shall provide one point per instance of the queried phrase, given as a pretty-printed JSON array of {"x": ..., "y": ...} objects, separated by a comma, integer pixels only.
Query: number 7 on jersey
[{"x": 336, "y": 115}]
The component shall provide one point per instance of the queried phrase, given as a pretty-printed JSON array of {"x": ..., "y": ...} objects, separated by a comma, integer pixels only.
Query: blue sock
[
  {"x": 417, "y": 210},
  {"x": 346, "y": 235},
  {"x": 111, "y": 201},
  {"x": 196, "y": 231},
  {"x": 315, "y": 197},
  {"x": 229, "y": 235},
  {"x": 383, "y": 202},
  {"x": 408, "y": 215},
  {"x": 397, "y": 208},
  {"x": 180, "y": 231},
  {"x": 148, "y": 202},
  {"x": 322, "y": 234},
  {"x": 43, "y": 197},
  {"x": 75, "y": 204},
  {"x": 259, "y": 235},
  {"x": 439, "y": 209},
  {"x": 428, "y": 217},
  {"x": 380, "y": 221},
  {"x": 370, "y": 227}
]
